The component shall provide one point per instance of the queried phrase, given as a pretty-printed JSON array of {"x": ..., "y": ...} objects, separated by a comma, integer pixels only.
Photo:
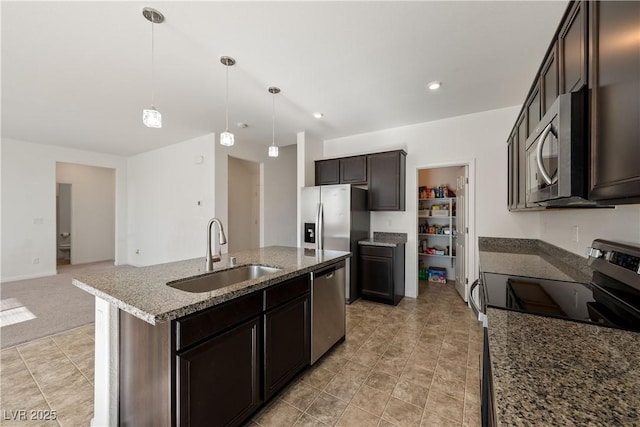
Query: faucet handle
[{"x": 232, "y": 261}]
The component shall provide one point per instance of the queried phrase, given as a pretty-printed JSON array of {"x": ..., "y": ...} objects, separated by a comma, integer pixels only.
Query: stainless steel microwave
[{"x": 557, "y": 155}]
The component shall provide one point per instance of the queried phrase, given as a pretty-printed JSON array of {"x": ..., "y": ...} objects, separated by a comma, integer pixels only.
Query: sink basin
[{"x": 223, "y": 278}]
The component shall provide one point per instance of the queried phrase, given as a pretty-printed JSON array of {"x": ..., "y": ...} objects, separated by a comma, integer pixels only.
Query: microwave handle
[{"x": 545, "y": 175}]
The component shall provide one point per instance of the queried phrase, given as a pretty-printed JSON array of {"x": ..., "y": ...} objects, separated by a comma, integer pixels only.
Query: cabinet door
[
  {"x": 353, "y": 170},
  {"x": 533, "y": 110},
  {"x": 549, "y": 80},
  {"x": 511, "y": 173},
  {"x": 572, "y": 42},
  {"x": 387, "y": 181},
  {"x": 615, "y": 101},
  {"x": 218, "y": 382},
  {"x": 328, "y": 172},
  {"x": 286, "y": 343},
  {"x": 521, "y": 127},
  {"x": 376, "y": 276}
]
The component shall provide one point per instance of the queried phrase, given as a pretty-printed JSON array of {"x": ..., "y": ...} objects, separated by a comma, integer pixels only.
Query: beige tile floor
[
  {"x": 416, "y": 364},
  {"x": 49, "y": 381}
]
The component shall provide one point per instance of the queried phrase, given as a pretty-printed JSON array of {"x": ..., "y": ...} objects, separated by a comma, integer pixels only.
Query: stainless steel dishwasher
[{"x": 327, "y": 308}]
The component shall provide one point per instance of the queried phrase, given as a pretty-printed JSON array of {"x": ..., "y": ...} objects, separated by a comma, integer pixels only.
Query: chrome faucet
[{"x": 222, "y": 240}]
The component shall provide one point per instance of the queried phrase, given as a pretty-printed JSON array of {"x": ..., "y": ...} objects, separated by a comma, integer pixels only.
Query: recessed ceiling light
[
  {"x": 318, "y": 115},
  {"x": 434, "y": 85},
  {"x": 242, "y": 125}
]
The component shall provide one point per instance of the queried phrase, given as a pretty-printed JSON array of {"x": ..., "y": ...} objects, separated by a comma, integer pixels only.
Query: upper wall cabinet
[
  {"x": 572, "y": 42},
  {"x": 346, "y": 170},
  {"x": 328, "y": 172},
  {"x": 549, "y": 79},
  {"x": 384, "y": 173},
  {"x": 387, "y": 180},
  {"x": 353, "y": 170},
  {"x": 614, "y": 83},
  {"x": 587, "y": 51}
]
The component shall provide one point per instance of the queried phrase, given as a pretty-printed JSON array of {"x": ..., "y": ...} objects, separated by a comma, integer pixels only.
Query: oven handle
[
  {"x": 545, "y": 175},
  {"x": 480, "y": 312}
]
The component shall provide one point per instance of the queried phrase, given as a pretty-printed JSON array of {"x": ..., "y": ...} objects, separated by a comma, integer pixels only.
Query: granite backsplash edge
[{"x": 555, "y": 255}]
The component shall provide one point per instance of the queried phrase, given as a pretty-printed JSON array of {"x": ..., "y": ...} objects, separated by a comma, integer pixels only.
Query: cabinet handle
[{"x": 545, "y": 175}]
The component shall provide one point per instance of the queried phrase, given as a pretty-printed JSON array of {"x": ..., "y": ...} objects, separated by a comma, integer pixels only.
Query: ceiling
[{"x": 77, "y": 74}]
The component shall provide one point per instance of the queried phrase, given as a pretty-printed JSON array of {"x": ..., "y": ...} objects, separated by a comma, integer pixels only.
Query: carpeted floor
[{"x": 57, "y": 304}]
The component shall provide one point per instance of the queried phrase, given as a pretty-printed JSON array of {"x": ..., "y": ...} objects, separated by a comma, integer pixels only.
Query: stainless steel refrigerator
[{"x": 336, "y": 217}]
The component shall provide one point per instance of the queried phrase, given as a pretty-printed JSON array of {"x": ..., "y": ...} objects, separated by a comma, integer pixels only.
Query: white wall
[
  {"x": 29, "y": 205},
  {"x": 243, "y": 231},
  {"x": 477, "y": 137},
  {"x": 275, "y": 172},
  {"x": 171, "y": 199},
  {"x": 93, "y": 211},
  {"x": 619, "y": 224}
]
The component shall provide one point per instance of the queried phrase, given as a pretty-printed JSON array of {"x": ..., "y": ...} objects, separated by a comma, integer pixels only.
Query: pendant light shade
[
  {"x": 273, "y": 148},
  {"x": 152, "y": 117},
  {"x": 226, "y": 137}
]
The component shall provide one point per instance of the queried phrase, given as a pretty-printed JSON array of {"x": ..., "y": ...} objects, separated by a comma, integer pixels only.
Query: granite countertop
[
  {"x": 385, "y": 239},
  {"x": 556, "y": 372},
  {"x": 549, "y": 371},
  {"x": 143, "y": 292}
]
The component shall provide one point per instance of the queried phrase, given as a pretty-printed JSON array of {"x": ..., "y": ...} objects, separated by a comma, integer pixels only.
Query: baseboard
[{"x": 27, "y": 277}]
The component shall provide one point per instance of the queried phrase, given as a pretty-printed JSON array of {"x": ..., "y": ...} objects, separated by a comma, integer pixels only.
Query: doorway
[
  {"x": 444, "y": 219},
  {"x": 63, "y": 224},
  {"x": 86, "y": 212},
  {"x": 244, "y": 204}
]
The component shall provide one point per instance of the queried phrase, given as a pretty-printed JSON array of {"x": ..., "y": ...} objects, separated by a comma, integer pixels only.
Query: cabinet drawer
[
  {"x": 286, "y": 291},
  {"x": 384, "y": 251},
  {"x": 198, "y": 326}
]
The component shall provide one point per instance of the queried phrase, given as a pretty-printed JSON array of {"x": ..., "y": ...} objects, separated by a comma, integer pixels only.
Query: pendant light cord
[
  {"x": 227, "y": 99},
  {"x": 152, "y": 64},
  {"x": 273, "y": 121}
]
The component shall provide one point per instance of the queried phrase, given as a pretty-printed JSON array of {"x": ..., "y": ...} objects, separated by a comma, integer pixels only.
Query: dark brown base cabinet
[
  {"x": 382, "y": 273},
  {"x": 219, "y": 380},
  {"x": 215, "y": 367}
]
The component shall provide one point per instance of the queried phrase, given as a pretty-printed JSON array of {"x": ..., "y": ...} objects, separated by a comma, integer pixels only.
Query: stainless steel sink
[{"x": 223, "y": 278}]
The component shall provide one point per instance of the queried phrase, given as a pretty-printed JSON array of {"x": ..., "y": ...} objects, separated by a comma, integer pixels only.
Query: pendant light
[
  {"x": 152, "y": 117},
  {"x": 273, "y": 148},
  {"x": 226, "y": 137}
]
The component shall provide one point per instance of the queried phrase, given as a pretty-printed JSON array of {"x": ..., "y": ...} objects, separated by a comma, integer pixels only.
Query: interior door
[{"x": 462, "y": 229}]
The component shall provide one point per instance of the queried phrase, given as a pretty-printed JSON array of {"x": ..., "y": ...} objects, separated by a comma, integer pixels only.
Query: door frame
[{"x": 471, "y": 255}]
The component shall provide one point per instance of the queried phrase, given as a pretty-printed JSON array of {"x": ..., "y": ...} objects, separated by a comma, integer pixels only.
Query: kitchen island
[
  {"x": 150, "y": 337},
  {"x": 549, "y": 371}
]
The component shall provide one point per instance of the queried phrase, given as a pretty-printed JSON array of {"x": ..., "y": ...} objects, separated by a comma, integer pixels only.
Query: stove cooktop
[{"x": 604, "y": 302}]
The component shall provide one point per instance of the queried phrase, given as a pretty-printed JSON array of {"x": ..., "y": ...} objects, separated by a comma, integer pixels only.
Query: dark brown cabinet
[
  {"x": 346, "y": 170},
  {"x": 521, "y": 170},
  {"x": 219, "y": 380},
  {"x": 217, "y": 366},
  {"x": 572, "y": 45},
  {"x": 287, "y": 327},
  {"x": 353, "y": 170},
  {"x": 614, "y": 69},
  {"x": 386, "y": 172},
  {"x": 382, "y": 273},
  {"x": 549, "y": 80},
  {"x": 328, "y": 172},
  {"x": 533, "y": 110},
  {"x": 512, "y": 172}
]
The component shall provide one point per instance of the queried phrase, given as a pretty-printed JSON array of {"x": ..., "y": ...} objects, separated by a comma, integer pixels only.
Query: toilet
[{"x": 65, "y": 246}]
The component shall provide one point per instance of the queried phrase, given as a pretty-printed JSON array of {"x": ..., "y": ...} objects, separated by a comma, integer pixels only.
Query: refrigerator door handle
[
  {"x": 320, "y": 235},
  {"x": 317, "y": 231}
]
